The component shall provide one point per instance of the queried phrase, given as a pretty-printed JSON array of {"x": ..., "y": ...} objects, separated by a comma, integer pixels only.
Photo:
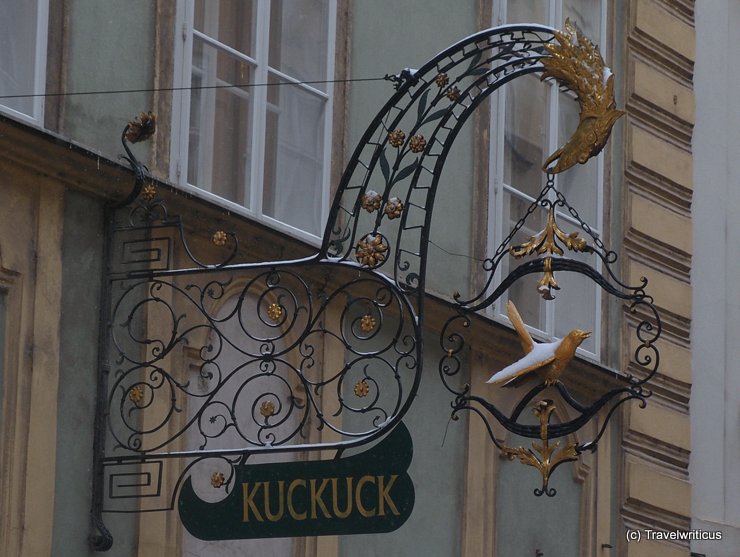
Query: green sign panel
[{"x": 370, "y": 492}]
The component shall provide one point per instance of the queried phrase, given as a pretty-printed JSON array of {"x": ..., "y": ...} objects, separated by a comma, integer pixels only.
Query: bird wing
[
  {"x": 518, "y": 368},
  {"x": 524, "y": 337},
  {"x": 542, "y": 354}
]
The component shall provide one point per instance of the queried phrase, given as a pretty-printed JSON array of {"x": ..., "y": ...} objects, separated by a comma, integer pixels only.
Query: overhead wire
[
  {"x": 203, "y": 87},
  {"x": 233, "y": 86}
]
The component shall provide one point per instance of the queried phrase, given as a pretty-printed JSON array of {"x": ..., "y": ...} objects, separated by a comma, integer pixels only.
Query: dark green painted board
[{"x": 370, "y": 492}]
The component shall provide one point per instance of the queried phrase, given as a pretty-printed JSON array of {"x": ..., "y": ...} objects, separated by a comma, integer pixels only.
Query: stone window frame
[{"x": 498, "y": 191}]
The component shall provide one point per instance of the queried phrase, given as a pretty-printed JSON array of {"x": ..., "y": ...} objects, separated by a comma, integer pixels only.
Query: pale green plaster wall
[
  {"x": 110, "y": 47},
  {"x": 82, "y": 268},
  {"x": 526, "y": 523},
  {"x": 437, "y": 471},
  {"x": 388, "y": 36}
]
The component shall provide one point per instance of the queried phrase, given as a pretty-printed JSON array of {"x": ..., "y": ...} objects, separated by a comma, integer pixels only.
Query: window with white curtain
[
  {"x": 23, "y": 58},
  {"x": 255, "y": 124},
  {"x": 530, "y": 120}
]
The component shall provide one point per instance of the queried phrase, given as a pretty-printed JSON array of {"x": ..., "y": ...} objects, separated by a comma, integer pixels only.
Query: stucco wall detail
[{"x": 655, "y": 489}]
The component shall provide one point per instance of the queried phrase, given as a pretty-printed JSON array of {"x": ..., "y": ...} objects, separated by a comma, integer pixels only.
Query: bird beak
[{"x": 586, "y": 334}]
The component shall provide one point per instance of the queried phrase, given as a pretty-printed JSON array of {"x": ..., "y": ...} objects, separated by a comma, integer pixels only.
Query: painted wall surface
[
  {"x": 82, "y": 251},
  {"x": 525, "y": 523},
  {"x": 715, "y": 394},
  {"x": 30, "y": 268},
  {"x": 110, "y": 47},
  {"x": 437, "y": 470},
  {"x": 387, "y": 37}
]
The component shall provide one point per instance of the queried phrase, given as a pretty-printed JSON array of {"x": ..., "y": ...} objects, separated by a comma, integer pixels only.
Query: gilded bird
[
  {"x": 553, "y": 357},
  {"x": 577, "y": 64}
]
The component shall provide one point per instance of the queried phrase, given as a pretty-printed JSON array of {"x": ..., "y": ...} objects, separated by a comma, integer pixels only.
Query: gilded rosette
[{"x": 371, "y": 250}]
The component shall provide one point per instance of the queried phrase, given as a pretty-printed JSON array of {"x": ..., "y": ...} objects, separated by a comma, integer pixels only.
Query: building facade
[{"x": 260, "y": 105}]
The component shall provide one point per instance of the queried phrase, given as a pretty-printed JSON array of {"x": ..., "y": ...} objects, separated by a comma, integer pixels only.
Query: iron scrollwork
[{"x": 210, "y": 363}]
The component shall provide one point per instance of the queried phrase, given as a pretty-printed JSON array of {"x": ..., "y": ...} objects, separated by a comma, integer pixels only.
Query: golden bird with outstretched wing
[
  {"x": 576, "y": 63},
  {"x": 553, "y": 357}
]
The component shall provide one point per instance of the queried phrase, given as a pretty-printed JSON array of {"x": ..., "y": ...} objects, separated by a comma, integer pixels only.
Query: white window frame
[
  {"x": 36, "y": 118},
  {"x": 496, "y": 231},
  {"x": 251, "y": 207}
]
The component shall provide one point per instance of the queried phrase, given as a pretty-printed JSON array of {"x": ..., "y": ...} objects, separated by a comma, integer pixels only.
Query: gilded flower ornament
[
  {"x": 371, "y": 250},
  {"x": 441, "y": 80},
  {"x": 136, "y": 394},
  {"x": 453, "y": 93},
  {"x": 393, "y": 208},
  {"x": 547, "y": 283},
  {"x": 267, "y": 408},
  {"x": 362, "y": 389},
  {"x": 547, "y": 243},
  {"x": 217, "y": 479},
  {"x": 417, "y": 143},
  {"x": 142, "y": 127},
  {"x": 274, "y": 311},
  {"x": 396, "y": 138},
  {"x": 371, "y": 201},
  {"x": 219, "y": 238},
  {"x": 149, "y": 192},
  {"x": 367, "y": 323}
]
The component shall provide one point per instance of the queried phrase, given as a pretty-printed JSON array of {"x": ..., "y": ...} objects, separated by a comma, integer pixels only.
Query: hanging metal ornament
[
  {"x": 363, "y": 290},
  {"x": 577, "y": 65}
]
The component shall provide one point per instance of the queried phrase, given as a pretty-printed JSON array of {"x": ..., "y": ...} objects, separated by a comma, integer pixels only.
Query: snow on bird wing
[
  {"x": 541, "y": 355},
  {"x": 511, "y": 372}
]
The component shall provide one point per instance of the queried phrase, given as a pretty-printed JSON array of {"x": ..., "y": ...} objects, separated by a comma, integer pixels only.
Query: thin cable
[
  {"x": 455, "y": 254},
  {"x": 166, "y": 89}
]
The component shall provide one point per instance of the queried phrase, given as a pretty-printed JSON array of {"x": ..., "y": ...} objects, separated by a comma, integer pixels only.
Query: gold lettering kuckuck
[
  {"x": 371, "y": 496},
  {"x": 249, "y": 501},
  {"x": 271, "y": 516},
  {"x": 358, "y": 496},
  {"x": 291, "y": 507},
  {"x": 384, "y": 495},
  {"x": 335, "y": 498},
  {"x": 316, "y": 500}
]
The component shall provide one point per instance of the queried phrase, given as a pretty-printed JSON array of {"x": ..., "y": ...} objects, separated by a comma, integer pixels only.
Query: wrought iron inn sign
[{"x": 217, "y": 385}]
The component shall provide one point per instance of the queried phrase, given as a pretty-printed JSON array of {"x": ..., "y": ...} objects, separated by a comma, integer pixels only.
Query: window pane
[
  {"x": 586, "y": 15},
  {"x": 231, "y": 22},
  {"x": 525, "y": 134},
  {"x": 299, "y": 38},
  {"x": 577, "y": 299},
  {"x": 523, "y": 292},
  {"x": 220, "y": 124},
  {"x": 18, "y": 53},
  {"x": 526, "y": 11},
  {"x": 294, "y": 153}
]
